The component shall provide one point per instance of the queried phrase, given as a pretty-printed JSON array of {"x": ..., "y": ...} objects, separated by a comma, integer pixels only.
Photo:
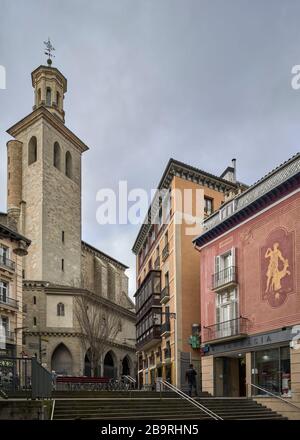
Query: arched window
[
  {"x": 56, "y": 155},
  {"x": 32, "y": 150},
  {"x": 48, "y": 96},
  {"x": 68, "y": 164},
  {"x": 39, "y": 96},
  {"x": 60, "y": 309}
]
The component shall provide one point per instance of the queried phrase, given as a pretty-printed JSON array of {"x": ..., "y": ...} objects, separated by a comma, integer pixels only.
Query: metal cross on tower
[{"x": 48, "y": 51}]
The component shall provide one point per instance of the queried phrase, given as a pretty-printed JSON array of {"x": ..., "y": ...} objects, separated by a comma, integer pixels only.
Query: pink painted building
[{"x": 250, "y": 289}]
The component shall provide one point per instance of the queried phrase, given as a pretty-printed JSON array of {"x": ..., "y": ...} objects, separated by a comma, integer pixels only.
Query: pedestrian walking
[{"x": 190, "y": 376}]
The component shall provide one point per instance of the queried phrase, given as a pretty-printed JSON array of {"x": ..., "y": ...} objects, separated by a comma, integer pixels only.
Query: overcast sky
[{"x": 201, "y": 81}]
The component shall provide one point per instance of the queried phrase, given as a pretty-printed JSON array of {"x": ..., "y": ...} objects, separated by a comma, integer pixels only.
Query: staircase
[
  {"x": 239, "y": 409},
  {"x": 139, "y": 405}
]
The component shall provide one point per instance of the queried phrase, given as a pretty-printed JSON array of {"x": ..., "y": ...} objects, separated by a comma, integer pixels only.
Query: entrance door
[{"x": 230, "y": 376}]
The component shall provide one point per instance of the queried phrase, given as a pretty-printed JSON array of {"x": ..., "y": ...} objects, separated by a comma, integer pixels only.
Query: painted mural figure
[{"x": 274, "y": 273}]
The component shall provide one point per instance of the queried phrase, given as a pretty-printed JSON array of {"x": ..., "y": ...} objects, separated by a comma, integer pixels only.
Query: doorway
[{"x": 230, "y": 376}]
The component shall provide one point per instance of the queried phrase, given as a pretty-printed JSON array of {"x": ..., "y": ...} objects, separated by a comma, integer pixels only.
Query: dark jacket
[{"x": 191, "y": 375}]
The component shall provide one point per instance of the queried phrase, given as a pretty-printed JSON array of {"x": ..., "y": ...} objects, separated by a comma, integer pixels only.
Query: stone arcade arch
[
  {"x": 110, "y": 365},
  {"x": 126, "y": 366},
  {"x": 61, "y": 360}
]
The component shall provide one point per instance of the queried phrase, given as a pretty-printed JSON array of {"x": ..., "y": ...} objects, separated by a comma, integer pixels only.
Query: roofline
[
  {"x": 208, "y": 231},
  {"x": 52, "y": 68},
  {"x": 184, "y": 166},
  {"x": 5, "y": 231},
  {"x": 41, "y": 112},
  {"x": 104, "y": 255}
]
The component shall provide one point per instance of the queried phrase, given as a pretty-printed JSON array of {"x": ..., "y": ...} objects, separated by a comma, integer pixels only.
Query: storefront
[{"x": 264, "y": 360}]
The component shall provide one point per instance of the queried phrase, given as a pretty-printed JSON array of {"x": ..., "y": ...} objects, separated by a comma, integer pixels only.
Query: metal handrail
[
  {"x": 273, "y": 395},
  {"x": 131, "y": 379},
  {"x": 52, "y": 411},
  {"x": 190, "y": 400}
]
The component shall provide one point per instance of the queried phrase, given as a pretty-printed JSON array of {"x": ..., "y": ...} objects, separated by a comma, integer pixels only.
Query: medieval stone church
[{"x": 44, "y": 204}]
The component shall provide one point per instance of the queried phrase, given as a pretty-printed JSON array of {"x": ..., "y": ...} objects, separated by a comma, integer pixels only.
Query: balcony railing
[
  {"x": 224, "y": 277},
  {"x": 8, "y": 301},
  {"x": 165, "y": 252},
  {"x": 149, "y": 338},
  {"x": 165, "y": 328},
  {"x": 7, "y": 336},
  {"x": 7, "y": 263},
  {"x": 157, "y": 263},
  {"x": 231, "y": 329},
  {"x": 165, "y": 295}
]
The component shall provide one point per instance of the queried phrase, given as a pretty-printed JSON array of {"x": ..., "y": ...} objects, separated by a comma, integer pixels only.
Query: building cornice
[
  {"x": 71, "y": 334},
  {"x": 51, "y": 289},
  {"x": 42, "y": 113},
  {"x": 274, "y": 186},
  {"x": 184, "y": 171}
]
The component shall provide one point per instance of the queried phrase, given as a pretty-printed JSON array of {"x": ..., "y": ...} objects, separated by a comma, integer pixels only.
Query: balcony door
[
  {"x": 227, "y": 312},
  {"x": 224, "y": 267}
]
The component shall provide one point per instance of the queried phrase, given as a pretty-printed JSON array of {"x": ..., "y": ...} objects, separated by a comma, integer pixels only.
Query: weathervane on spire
[{"x": 48, "y": 51}]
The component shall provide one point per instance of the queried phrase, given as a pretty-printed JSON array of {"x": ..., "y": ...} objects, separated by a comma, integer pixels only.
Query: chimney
[{"x": 234, "y": 169}]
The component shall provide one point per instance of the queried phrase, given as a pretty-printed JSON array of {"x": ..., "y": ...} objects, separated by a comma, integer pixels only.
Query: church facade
[{"x": 44, "y": 204}]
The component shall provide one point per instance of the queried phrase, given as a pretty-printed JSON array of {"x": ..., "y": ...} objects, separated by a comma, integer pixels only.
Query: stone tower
[{"x": 44, "y": 183}]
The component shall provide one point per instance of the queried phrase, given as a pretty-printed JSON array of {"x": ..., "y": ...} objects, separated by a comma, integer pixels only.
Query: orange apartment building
[{"x": 168, "y": 273}]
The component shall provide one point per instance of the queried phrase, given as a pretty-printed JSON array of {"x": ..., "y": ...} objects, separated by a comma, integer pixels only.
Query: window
[
  {"x": 166, "y": 238},
  {"x": 34, "y": 300},
  {"x": 68, "y": 165},
  {"x": 120, "y": 326},
  {"x": 39, "y": 96},
  {"x": 57, "y": 99},
  {"x": 48, "y": 96},
  {"x": 3, "y": 291},
  {"x": 167, "y": 279},
  {"x": 227, "y": 312},
  {"x": 63, "y": 236},
  {"x": 56, "y": 155},
  {"x": 32, "y": 150},
  {"x": 227, "y": 210},
  {"x": 272, "y": 370},
  {"x": 60, "y": 309},
  {"x": 34, "y": 321},
  {"x": 208, "y": 205},
  {"x": 225, "y": 268},
  {"x": 4, "y": 254},
  {"x": 62, "y": 264},
  {"x": 4, "y": 324}
]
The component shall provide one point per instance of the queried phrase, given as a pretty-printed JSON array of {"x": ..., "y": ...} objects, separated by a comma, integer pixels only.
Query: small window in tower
[
  {"x": 32, "y": 150},
  {"x": 62, "y": 264},
  {"x": 39, "y": 96},
  {"x": 57, "y": 99},
  {"x": 34, "y": 300},
  {"x": 56, "y": 155},
  {"x": 34, "y": 321},
  {"x": 63, "y": 236},
  {"x": 48, "y": 96},
  {"x": 68, "y": 169},
  {"x": 60, "y": 309}
]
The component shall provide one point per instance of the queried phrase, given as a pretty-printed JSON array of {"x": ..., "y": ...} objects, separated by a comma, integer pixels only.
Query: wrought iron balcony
[
  {"x": 224, "y": 278},
  {"x": 7, "y": 263},
  {"x": 165, "y": 328},
  {"x": 165, "y": 252},
  {"x": 165, "y": 295},
  {"x": 232, "y": 329},
  {"x": 8, "y": 301}
]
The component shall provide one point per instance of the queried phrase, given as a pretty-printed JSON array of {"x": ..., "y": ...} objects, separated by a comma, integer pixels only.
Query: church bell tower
[{"x": 44, "y": 182}]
